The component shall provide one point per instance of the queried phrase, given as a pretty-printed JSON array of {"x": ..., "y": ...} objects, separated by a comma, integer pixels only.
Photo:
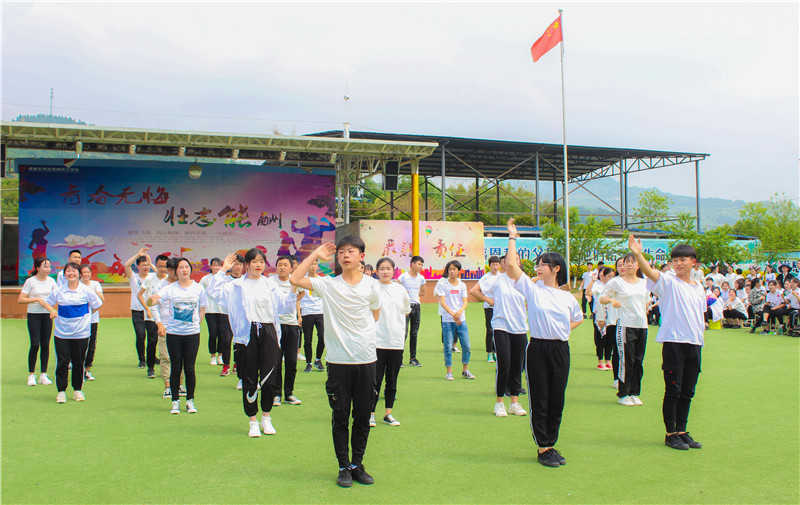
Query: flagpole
[{"x": 564, "y": 134}]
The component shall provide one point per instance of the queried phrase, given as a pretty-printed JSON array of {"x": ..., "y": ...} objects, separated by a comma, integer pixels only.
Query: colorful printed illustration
[
  {"x": 109, "y": 209},
  {"x": 440, "y": 242}
]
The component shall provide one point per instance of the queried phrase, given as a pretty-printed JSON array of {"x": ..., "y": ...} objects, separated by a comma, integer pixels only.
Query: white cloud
[{"x": 77, "y": 240}]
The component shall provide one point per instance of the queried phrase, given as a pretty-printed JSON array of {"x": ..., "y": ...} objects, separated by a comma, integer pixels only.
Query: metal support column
[
  {"x": 477, "y": 201},
  {"x": 391, "y": 205},
  {"x": 426, "y": 198},
  {"x": 621, "y": 198},
  {"x": 697, "y": 190},
  {"x": 625, "y": 175},
  {"x": 537, "y": 189},
  {"x": 497, "y": 207},
  {"x": 444, "y": 184},
  {"x": 415, "y": 207},
  {"x": 555, "y": 200}
]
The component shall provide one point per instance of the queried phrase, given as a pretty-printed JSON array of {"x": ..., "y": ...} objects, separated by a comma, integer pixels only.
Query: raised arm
[
  {"x": 636, "y": 248},
  {"x": 323, "y": 253},
  {"x": 141, "y": 252},
  {"x": 512, "y": 261}
]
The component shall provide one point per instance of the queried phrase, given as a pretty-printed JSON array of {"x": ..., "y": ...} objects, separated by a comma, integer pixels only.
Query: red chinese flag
[{"x": 550, "y": 39}]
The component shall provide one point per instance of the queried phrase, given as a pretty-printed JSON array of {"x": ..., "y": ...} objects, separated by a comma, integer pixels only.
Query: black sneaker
[
  {"x": 414, "y": 362},
  {"x": 142, "y": 364},
  {"x": 151, "y": 374},
  {"x": 690, "y": 441},
  {"x": 753, "y": 329},
  {"x": 361, "y": 475},
  {"x": 548, "y": 458},
  {"x": 561, "y": 459},
  {"x": 318, "y": 365},
  {"x": 676, "y": 442},
  {"x": 308, "y": 368},
  {"x": 345, "y": 478},
  {"x": 158, "y": 361},
  {"x": 522, "y": 391}
]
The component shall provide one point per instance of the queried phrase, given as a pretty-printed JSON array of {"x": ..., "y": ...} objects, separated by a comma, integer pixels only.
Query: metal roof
[{"x": 501, "y": 159}]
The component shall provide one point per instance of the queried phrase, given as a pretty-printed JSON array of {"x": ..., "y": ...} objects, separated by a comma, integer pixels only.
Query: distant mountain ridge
[{"x": 46, "y": 118}]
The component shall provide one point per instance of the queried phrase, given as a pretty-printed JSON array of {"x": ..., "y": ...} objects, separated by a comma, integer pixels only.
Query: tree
[
  {"x": 776, "y": 223},
  {"x": 653, "y": 207},
  {"x": 587, "y": 239},
  {"x": 10, "y": 198}
]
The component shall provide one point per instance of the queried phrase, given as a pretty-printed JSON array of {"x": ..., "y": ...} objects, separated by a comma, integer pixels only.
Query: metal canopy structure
[
  {"x": 352, "y": 159},
  {"x": 494, "y": 161}
]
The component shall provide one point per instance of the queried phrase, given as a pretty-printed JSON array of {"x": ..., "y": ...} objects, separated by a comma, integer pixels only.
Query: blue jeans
[{"x": 449, "y": 332}]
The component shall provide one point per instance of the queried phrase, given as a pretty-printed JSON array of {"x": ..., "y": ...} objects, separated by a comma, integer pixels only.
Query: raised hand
[
  {"x": 325, "y": 252},
  {"x": 228, "y": 263},
  {"x": 511, "y": 227},
  {"x": 634, "y": 245}
]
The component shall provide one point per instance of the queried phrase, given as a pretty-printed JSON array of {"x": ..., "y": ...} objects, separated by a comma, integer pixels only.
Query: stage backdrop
[
  {"x": 109, "y": 209},
  {"x": 440, "y": 242}
]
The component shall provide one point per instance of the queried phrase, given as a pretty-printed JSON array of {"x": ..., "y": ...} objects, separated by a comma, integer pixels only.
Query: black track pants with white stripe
[
  {"x": 547, "y": 371},
  {"x": 258, "y": 364}
]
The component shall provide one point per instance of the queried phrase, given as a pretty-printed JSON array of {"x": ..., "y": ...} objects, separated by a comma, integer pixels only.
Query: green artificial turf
[{"x": 122, "y": 446}]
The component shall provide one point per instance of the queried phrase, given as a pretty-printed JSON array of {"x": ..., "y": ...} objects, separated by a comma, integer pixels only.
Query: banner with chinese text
[{"x": 109, "y": 209}]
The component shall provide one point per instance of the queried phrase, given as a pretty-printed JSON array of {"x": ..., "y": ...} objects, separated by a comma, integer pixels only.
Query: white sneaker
[
  {"x": 300, "y": 357},
  {"x": 190, "y": 408},
  {"x": 467, "y": 374},
  {"x": 276, "y": 402},
  {"x": 627, "y": 401},
  {"x": 448, "y": 377},
  {"x": 61, "y": 397},
  {"x": 615, "y": 384},
  {"x": 213, "y": 361},
  {"x": 516, "y": 409},
  {"x": 44, "y": 380},
  {"x": 372, "y": 422},
  {"x": 636, "y": 400},
  {"x": 167, "y": 393},
  {"x": 31, "y": 380},
  {"x": 88, "y": 376},
  {"x": 391, "y": 421},
  {"x": 254, "y": 430},
  {"x": 78, "y": 396},
  {"x": 500, "y": 409},
  {"x": 455, "y": 349},
  {"x": 239, "y": 385},
  {"x": 266, "y": 426},
  {"x": 176, "y": 407},
  {"x": 293, "y": 400}
]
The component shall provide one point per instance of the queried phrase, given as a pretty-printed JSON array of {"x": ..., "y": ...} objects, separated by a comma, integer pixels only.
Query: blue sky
[{"x": 719, "y": 78}]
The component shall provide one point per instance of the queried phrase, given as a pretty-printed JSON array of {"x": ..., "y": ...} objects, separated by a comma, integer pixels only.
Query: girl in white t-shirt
[
  {"x": 552, "y": 314},
  {"x": 628, "y": 294},
  {"x": 390, "y": 332},
  {"x": 40, "y": 326},
  {"x": 86, "y": 279},
  {"x": 213, "y": 317},
  {"x": 186, "y": 301},
  {"x": 452, "y": 295}
]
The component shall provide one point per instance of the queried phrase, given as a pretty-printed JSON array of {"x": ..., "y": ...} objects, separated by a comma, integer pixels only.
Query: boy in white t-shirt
[
  {"x": 452, "y": 295},
  {"x": 586, "y": 279},
  {"x": 488, "y": 304},
  {"x": 415, "y": 284},
  {"x": 683, "y": 303},
  {"x": 143, "y": 325},
  {"x": 351, "y": 307}
]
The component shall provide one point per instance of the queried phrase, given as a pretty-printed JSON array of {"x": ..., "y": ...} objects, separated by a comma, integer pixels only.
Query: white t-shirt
[
  {"x": 597, "y": 289},
  {"x": 97, "y": 288},
  {"x": 586, "y": 278},
  {"x": 485, "y": 280},
  {"x": 412, "y": 285},
  {"x": 310, "y": 304},
  {"x": 736, "y": 304},
  {"x": 633, "y": 297},
  {"x": 718, "y": 279},
  {"x": 136, "y": 284},
  {"x": 550, "y": 310},
  {"x": 682, "y": 308},
  {"x": 284, "y": 287},
  {"x": 34, "y": 288},
  {"x": 258, "y": 300},
  {"x": 347, "y": 315},
  {"x": 697, "y": 275},
  {"x": 509, "y": 304},
  {"x": 732, "y": 278},
  {"x": 390, "y": 330},
  {"x": 776, "y": 298},
  {"x": 151, "y": 286},
  {"x": 213, "y": 307},
  {"x": 791, "y": 298},
  {"x": 74, "y": 310},
  {"x": 453, "y": 297},
  {"x": 184, "y": 307}
]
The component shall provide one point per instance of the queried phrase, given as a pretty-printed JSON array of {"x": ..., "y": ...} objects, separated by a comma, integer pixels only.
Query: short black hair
[
  {"x": 384, "y": 260},
  {"x": 351, "y": 240},
  {"x": 284, "y": 257},
  {"x": 141, "y": 259},
  {"x": 253, "y": 254},
  {"x": 172, "y": 263},
  {"x": 554, "y": 259},
  {"x": 446, "y": 271},
  {"x": 239, "y": 258},
  {"x": 414, "y": 259},
  {"x": 600, "y": 263},
  {"x": 162, "y": 257},
  {"x": 494, "y": 259},
  {"x": 75, "y": 251},
  {"x": 215, "y": 260},
  {"x": 606, "y": 271},
  {"x": 683, "y": 251},
  {"x": 72, "y": 264}
]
